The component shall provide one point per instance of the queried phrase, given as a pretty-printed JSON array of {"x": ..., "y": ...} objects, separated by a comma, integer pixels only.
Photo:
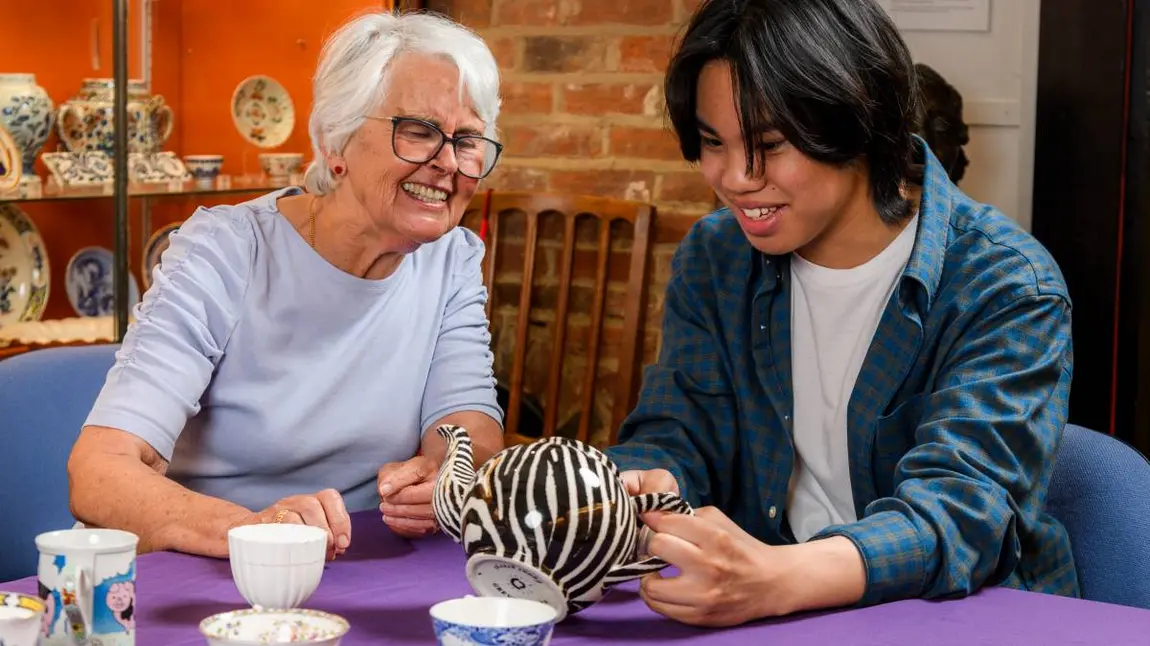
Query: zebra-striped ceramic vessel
[{"x": 549, "y": 521}]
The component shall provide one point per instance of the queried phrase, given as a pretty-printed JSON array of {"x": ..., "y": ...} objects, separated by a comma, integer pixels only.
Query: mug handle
[
  {"x": 78, "y": 582},
  {"x": 78, "y": 114},
  {"x": 644, "y": 503}
]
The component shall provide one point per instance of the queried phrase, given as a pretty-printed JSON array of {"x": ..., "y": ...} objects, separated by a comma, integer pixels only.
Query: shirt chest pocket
[{"x": 894, "y": 437}]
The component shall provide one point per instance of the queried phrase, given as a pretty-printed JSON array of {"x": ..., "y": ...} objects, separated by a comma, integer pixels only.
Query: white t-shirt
[{"x": 834, "y": 315}]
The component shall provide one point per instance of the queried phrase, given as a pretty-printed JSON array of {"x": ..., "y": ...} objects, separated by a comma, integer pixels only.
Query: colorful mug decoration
[
  {"x": 87, "y": 580},
  {"x": 549, "y": 521}
]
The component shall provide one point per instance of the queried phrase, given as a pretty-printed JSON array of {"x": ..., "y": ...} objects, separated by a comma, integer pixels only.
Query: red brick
[
  {"x": 473, "y": 13},
  {"x": 607, "y": 183},
  {"x": 687, "y": 186},
  {"x": 645, "y": 143},
  {"x": 516, "y": 178},
  {"x": 527, "y": 98},
  {"x": 536, "y": 13},
  {"x": 506, "y": 51},
  {"x": 564, "y": 54},
  {"x": 671, "y": 228},
  {"x": 645, "y": 53},
  {"x": 628, "y": 12},
  {"x": 602, "y": 98},
  {"x": 552, "y": 141}
]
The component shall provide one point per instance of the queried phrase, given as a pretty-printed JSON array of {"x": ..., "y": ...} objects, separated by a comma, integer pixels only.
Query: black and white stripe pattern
[{"x": 557, "y": 505}]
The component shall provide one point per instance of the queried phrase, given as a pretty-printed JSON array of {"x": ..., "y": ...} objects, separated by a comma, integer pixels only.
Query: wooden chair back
[{"x": 496, "y": 206}]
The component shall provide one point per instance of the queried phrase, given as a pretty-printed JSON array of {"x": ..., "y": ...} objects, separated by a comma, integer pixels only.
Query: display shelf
[{"x": 223, "y": 185}]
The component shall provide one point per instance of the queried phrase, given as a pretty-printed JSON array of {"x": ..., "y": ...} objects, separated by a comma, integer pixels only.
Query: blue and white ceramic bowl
[
  {"x": 90, "y": 283},
  {"x": 204, "y": 168},
  {"x": 491, "y": 621}
]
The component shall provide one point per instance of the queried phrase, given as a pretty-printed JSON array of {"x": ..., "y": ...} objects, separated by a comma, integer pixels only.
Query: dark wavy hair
[{"x": 832, "y": 76}]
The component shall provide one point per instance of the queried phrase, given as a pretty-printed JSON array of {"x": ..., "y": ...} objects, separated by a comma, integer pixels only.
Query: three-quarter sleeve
[
  {"x": 462, "y": 376},
  {"x": 182, "y": 327}
]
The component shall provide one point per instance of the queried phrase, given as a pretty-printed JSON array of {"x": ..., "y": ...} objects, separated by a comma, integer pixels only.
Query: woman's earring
[{"x": 337, "y": 170}]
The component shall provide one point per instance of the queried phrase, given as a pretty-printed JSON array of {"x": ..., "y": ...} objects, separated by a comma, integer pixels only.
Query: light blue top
[{"x": 260, "y": 370}]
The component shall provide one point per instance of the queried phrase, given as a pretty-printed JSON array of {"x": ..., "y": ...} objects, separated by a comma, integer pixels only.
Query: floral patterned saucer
[
  {"x": 24, "y": 270},
  {"x": 262, "y": 111},
  {"x": 261, "y": 626}
]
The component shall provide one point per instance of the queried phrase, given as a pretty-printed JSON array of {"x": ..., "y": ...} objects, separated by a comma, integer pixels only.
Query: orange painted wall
[{"x": 201, "y": 49}]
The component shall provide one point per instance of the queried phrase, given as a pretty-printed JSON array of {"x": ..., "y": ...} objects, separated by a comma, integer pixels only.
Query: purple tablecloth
[{"x": 384, "y": 586}]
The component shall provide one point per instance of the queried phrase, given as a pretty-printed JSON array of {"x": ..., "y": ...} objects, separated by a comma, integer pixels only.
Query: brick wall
[{"x": 583, "y": 113}]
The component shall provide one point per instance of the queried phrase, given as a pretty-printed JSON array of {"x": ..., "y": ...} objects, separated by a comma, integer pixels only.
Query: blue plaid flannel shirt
[{"x": 953, "y": 424}]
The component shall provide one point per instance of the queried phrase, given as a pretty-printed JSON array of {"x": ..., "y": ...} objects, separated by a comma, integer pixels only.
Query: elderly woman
[
  {"x": 293, "y": 344},
  {"x": 864, "y": 372}
]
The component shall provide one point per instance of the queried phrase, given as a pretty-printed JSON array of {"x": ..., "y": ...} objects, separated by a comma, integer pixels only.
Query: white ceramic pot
[
  {"x": 86, "y": 121},
  {"x": 26, "y": 112}
]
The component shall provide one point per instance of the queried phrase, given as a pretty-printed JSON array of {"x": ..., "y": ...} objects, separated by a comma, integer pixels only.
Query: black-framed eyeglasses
[{"x": 418, "y": 142}]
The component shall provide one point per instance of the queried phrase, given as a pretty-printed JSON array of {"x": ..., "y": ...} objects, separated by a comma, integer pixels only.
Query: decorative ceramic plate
[
  {"x": 89, "y": 281},
  {"x": 24, "y": 272},
  {"x": 262, "y": 111},
  {"x": 154, "y": 249},
  {"x": 259, "y": 626}
]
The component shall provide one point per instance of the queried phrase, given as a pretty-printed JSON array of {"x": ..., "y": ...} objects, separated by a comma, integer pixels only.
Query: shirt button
[
  {"x": 762, "y": 327},
  {"x": 772, "y": 512},
  {"x": 786, "y": 418}
]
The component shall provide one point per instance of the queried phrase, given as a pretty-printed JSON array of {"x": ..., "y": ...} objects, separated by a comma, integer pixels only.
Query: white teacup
[
  {"x": 277, "y": 565},
  {"x": 21, "y": 619},
  {"x": 470, "y": 621},
  {"x": 88, "y": 582},
  {"x": 280, "y": 165},
  {"x": 274, "y": 627}
]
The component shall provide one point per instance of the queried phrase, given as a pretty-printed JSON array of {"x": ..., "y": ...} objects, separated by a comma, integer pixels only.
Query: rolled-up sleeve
[
  {"x": 981, "y": 460},
  {"x": 462, "y": 376},
  {"x": 181, "y": 328},
  {"x": 685, "y": 419}
]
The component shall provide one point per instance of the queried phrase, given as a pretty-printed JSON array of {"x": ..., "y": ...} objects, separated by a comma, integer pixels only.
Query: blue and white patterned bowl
[
  {"x": 491, "y": 621},
  {"x": 90, "y": 284}
]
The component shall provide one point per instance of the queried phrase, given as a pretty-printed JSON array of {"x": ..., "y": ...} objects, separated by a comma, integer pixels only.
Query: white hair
[{"x": 351, "y": 78}]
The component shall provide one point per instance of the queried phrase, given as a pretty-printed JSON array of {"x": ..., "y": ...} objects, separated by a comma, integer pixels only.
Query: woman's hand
[
  {"x": 324, "y": 510},
  {"x": 405, "y": 489}
]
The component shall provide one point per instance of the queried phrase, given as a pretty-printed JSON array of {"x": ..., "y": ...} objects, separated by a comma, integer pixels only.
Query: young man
[{"x": 864, "y": 373}]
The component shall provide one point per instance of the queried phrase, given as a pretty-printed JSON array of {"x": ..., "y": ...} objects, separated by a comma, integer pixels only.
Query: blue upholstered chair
[
  {"x": 44, "y": 398},
  {"x": 1100, "y": 491}
]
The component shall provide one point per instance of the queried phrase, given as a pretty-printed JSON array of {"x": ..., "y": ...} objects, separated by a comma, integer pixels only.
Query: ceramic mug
[
  {"x": 88, "y": 583},
  {"x": 21, "y": 619}
]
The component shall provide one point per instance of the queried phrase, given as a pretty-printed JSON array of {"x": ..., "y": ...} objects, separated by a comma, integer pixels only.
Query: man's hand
[
  {"x": 651, "y": 481},
  {"x": 726, "y": 576},
  {"x": 405, "y": 489},
  {"x": 324, "y": 510}
]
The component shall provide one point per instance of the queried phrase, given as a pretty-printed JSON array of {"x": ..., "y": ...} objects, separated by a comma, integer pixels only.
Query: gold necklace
[{"x": 311, "y": 221}]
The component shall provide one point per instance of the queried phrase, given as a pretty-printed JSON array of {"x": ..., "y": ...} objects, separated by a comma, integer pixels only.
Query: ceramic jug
[
  {"x": 26, "y": 113},
  {"x": 86, "y": 121},
  {"x": 550, "y": 521}
]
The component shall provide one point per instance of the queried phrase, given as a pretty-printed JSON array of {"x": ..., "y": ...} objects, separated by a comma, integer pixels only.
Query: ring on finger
[{"x": 280, "y": 515}]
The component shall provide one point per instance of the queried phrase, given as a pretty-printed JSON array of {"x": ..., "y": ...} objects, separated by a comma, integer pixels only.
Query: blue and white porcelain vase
[{"x": 27, "y": 113}]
